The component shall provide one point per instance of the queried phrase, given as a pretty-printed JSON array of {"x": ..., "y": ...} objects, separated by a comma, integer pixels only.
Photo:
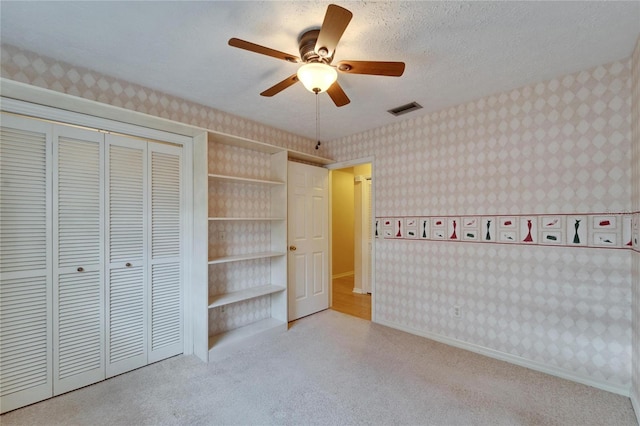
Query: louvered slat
[
  {"x": 165, "y": 204},
  {"x": 127, "y": 331},
  {"x": 23, "y": 195},
  {"x": 166, "y": 301},
  {"x": 79, "y": 293},
  {"x": 126, "y": 204},
  {"x": 79, "y": 323},
  {"x": 127, "y": 295},
  {"x": 25, "y": 262},
  {"x": 166, "y": 322},
  {"x": 79, "y": 204},
  {"x": 24, "y": 350}
]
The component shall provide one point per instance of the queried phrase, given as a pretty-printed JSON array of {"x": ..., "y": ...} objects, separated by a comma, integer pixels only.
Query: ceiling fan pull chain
[{"x": 317, "y": 118}]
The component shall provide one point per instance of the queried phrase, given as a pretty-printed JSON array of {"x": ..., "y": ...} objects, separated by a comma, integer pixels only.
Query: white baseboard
[
  {"x": 635, "y": 403},
  {"x": 517, "y": 360},
  {"x": 342, "y": 275}
]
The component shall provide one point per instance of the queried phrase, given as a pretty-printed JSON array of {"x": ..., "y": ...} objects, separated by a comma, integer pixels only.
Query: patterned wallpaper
[
  {"x": 236, "y": 276},
  {"x": 559, "y": 148},
  {"x": 225, "y": 160},
  {"x": 635, "y": 201},
  {"x": 30, "y": 68},
  {"x": 239, "y": 314}
]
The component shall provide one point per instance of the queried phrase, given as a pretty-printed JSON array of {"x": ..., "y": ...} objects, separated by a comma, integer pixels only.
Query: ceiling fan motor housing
[{"x": 307, "y": 45}]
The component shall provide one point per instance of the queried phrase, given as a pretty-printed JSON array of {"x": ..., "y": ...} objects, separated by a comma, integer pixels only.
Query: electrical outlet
[{"x": 456, "y": 312}]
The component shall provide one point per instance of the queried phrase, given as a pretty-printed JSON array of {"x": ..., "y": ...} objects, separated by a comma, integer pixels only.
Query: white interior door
[{"x": 308, "y": 223}]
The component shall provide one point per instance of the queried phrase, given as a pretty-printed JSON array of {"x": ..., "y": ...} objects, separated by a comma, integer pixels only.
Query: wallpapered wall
[
  {"x": 560, "y": 146},
  {"x": 635, "y": 202}
]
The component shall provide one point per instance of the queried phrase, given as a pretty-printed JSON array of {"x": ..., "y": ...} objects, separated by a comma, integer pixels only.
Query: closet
[{"x": 90, "y": 256}]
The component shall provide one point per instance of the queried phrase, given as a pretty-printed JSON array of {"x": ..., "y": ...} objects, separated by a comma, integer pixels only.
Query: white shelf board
[
  {"x": 243, "y": 179},
  {"x": 249, "y": 256},
  {"x": 253, "y": 219},
  {"x": 223, "y": 344},
  {"x": 239, "y": 296},
  {"x": 241, "y": 142},
  {"x": 310, "y": 158}
]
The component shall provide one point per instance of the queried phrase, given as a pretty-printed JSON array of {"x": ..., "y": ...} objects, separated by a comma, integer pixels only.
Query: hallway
[{"x": 346, "y": 301}]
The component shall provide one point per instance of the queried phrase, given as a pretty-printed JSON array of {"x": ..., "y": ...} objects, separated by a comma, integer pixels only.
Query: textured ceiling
[{"x": 454, "y": 51}]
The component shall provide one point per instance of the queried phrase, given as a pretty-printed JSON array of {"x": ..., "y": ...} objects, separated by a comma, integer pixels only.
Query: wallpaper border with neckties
[{"x": 606, "y": 230}]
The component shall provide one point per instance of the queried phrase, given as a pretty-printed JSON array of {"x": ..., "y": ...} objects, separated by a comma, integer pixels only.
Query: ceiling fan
[{"x": 317, "y": 48}]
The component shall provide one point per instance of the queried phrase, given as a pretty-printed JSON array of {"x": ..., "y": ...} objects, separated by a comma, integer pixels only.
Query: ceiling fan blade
[
  {"x": 274, "y": 90},
  {"x": 256, "y": 48},
  {"x": 391, "y": 69},
  {"x": 337, "y": 95},
  {"x": 335, "y": 22}
]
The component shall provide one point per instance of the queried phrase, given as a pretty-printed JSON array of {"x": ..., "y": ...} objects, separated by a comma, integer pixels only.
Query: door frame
[{"x": 344, "y": 165}]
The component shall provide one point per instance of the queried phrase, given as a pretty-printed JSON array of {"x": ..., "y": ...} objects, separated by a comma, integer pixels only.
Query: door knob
[
  {"x": 293, "y": 248},
  {"x": 127, "y": 264},
  {"x": 80, "y": 269}
]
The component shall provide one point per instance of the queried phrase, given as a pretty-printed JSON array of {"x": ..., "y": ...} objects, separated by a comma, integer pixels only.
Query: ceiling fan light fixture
[{"x": 317, "y": 77}]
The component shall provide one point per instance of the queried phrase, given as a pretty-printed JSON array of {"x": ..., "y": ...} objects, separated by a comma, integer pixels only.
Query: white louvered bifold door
[
  {"x": 25, "y": 262},
  {"x": 78, "y": 282},
  {"x": 165, "y": 309},
  {"x": 126, "y": 237}
]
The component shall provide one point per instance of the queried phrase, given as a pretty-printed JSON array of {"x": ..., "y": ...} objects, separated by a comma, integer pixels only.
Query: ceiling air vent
[{"x": 403, "y": 109}]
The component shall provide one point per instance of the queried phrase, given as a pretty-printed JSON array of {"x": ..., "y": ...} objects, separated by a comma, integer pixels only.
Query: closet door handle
[
  {"x": 293, "y": 248},
  {"x": 80, "y": 269},
  {"x": 128, "y": 265}
]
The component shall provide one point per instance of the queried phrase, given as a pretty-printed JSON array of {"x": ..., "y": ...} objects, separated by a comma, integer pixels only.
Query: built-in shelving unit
[
  {"x": 247, "y": 242},
  {"x": 246, "y": 231}
]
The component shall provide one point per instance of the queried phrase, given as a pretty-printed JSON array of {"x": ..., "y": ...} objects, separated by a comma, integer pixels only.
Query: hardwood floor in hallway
[{"x": 346, "y": 301}]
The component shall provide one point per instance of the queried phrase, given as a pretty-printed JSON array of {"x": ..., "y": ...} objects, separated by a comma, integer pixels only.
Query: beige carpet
[{"x": 333, "y": 369}]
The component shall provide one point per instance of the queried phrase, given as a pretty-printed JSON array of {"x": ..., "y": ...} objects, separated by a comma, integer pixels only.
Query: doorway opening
[{"x": 352, "y": 239}]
